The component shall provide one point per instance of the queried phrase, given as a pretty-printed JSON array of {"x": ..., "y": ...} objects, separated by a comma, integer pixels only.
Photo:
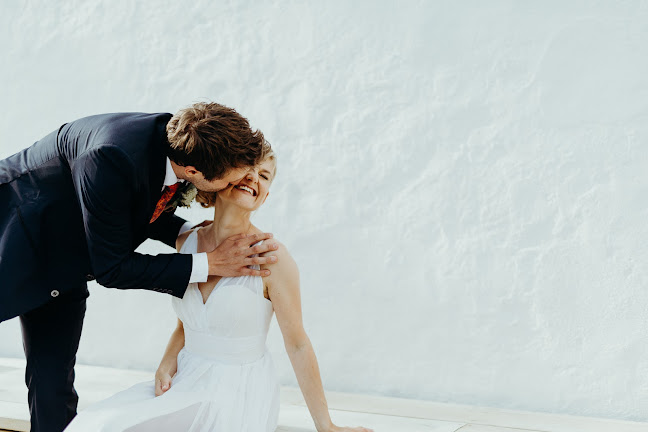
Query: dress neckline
[{"x": 220, "y": 281}]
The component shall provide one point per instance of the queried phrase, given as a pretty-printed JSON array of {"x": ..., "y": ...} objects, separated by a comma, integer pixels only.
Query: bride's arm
[
  {"x": 169, "y": 363},
  {"x": 283, "y": 289}
]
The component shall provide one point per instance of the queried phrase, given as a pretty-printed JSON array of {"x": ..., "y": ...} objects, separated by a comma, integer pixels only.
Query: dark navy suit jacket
[{"x": 75, "y": 205}]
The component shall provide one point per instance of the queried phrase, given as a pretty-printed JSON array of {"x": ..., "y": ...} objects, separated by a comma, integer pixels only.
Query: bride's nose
[{"x": 252, "y": 175}]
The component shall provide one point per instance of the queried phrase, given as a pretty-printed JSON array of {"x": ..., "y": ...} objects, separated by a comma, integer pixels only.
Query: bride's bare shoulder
[
  {"x": 285, "y": 265},
  {"x": 182, "y": 238},
  {"x": 285, "y": 261}
]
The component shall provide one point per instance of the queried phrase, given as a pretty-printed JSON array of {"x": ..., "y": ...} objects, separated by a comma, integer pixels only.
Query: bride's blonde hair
[{"x": 208, "y": 199}]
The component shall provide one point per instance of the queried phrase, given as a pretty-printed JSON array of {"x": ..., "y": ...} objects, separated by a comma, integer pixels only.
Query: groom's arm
[
  {"x": 164, "y": 227},
  {"x": 104, "y": 177},
  {"x": 167, "y": 228}
]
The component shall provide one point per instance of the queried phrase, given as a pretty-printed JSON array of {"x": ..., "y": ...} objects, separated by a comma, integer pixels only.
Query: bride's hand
[
  {"x": 334, "y": 428},
  {"x": 162, "y": 382}
]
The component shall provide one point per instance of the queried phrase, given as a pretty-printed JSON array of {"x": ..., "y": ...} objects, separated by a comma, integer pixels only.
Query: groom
[{"x": 74, "y": 207}]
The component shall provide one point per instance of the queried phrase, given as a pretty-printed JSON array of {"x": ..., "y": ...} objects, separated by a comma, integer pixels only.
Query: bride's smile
[
  {"x": 246, "y": 189},
  {"x": 252, "y": 190}
]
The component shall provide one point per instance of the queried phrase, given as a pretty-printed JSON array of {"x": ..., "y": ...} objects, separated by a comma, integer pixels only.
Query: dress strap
[{"x": 190, "y": 245}]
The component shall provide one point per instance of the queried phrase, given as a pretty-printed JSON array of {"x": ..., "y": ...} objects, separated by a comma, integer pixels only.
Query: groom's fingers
[
  {"x": 266, "y": 246},
  {"x": 245, "y": 271},
  {"x": 255, "y": 238},
  {"x": 263, "y": 248},
  {"x": 261, "y": 260},
  {"x": 244, "y": 241},
  {"x": 234, "y": 255}
]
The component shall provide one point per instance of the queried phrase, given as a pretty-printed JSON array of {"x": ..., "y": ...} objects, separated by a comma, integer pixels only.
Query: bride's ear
[{"x": 264, "y": 199}]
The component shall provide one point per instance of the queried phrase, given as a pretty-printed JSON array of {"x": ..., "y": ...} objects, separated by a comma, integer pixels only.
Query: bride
[{"x": 216, "y": 373}]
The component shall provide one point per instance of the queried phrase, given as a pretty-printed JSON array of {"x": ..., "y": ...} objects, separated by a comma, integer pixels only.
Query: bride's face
[{"x": 251, "y": 191}]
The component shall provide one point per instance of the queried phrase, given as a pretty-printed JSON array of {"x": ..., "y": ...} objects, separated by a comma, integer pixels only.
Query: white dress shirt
[{"x": 200, "y": 264}]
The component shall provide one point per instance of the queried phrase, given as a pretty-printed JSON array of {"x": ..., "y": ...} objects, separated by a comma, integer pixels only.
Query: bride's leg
[{"x": 176, "y": 421}]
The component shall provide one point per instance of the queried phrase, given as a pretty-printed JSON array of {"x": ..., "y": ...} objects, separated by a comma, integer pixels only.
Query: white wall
[{"x": 462, "y": 184}]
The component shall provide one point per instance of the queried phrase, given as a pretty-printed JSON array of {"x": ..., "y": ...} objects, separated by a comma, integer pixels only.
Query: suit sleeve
[
  {"x": 166, "y": 228},
  {"x": 104, "y": 179}
]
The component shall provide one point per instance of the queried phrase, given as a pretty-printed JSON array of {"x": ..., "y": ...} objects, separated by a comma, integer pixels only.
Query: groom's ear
[{"x": 191, "y": 171}]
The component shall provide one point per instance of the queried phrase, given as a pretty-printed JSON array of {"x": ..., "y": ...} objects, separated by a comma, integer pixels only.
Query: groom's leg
[{"x": 51, "y": 336}]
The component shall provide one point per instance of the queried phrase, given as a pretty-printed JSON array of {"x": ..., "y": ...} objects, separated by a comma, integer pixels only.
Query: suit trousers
[{"x": 51, "y": 336}]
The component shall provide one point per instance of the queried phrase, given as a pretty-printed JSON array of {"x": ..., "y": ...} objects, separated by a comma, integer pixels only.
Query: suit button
[
  {"x": 89, "y": 277},
  {"x": 54, "y": 293}
]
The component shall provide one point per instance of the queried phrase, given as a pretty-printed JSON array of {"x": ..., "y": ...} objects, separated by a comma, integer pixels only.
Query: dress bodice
[
  {"x": 232, "y": 325},
  {"x": 225, "y": 379}
]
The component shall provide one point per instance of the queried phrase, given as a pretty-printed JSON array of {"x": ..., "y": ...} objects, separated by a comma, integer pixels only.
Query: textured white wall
[{"x": 462, "y": 185}]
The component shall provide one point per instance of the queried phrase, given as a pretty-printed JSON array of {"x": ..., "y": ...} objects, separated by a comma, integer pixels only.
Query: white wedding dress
[{"x": 225, "y": 381}]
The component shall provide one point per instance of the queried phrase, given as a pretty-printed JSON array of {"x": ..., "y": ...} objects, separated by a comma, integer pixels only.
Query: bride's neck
[{"x": 229, "y": 220}]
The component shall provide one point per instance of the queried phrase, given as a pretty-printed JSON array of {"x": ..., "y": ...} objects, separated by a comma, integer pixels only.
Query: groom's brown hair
[{"x": 213, "y": 138}]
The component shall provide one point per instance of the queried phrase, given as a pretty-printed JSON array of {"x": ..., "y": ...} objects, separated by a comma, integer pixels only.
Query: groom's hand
[{"x": 232, "y": 257}]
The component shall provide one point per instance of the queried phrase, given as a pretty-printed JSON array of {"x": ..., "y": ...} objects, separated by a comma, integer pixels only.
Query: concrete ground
[{"x": 379, "y": 413}]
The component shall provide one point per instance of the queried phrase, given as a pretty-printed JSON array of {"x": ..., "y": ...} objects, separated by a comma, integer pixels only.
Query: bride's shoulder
[
  {"x": 281, "y": 251},
  {"x": 283, "y": 282},
  {"x": 285, "y": 263},
  {"x": 182, "y": 238}
]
